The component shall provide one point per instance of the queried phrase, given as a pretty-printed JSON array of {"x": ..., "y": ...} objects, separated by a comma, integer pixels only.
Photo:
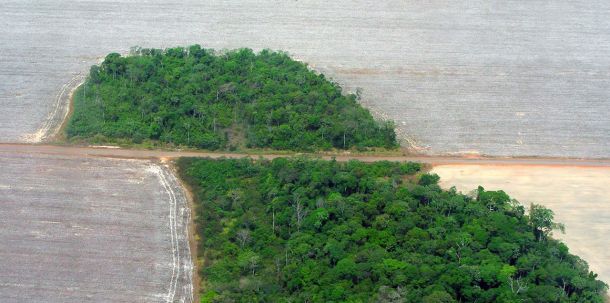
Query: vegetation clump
[
  {"x": 195, "y": 97},
  {"x": 301, "y": 230}
]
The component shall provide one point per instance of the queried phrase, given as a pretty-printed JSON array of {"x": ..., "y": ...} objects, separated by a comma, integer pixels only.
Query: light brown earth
[
  {"x": 115, "y": 152},
  {"x": 577, "y": 194}
]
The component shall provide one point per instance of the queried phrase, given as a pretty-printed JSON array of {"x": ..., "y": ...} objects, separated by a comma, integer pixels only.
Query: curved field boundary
[
  {"x": 58, "y": 114},
  {"x": 179, "y": 218}
]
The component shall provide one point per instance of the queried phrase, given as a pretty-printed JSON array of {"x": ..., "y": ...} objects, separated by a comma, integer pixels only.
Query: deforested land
[{"x": 82, "y": 229}]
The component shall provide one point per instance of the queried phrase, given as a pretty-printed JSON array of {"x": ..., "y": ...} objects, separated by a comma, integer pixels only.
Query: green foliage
[
  {"x": 542, "y": 221},
  {"x": 195, "y": 97},
  {"x": 299, "y": 230}
]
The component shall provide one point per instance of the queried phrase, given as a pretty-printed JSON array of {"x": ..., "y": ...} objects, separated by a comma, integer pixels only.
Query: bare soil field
[
  {"x": 501, "y": 78},
  {"x": 578, "y": 196},
  {"x": 78, "y": 229}
]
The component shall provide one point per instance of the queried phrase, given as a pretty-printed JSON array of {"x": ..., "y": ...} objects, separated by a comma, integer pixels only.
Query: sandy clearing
[{"x": 577, "y": 195}]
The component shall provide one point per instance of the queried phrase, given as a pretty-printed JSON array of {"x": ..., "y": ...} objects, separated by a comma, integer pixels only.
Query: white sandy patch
[
  {"x": 61, "y": 108},
  {"x": 178, "y": 223}
]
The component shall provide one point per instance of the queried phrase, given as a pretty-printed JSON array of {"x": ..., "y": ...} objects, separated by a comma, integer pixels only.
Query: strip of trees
[
  {"x": 301, "y": 230},
  {"x": 199, "y": 98}
]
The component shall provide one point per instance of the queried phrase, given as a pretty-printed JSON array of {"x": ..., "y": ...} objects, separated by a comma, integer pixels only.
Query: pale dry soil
[
  {"x": 78, "y": 229},
  {"x": 577, "y": 195}
]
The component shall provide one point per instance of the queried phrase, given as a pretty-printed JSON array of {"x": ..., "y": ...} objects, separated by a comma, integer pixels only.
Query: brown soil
[{"x": 432, "y": 160}]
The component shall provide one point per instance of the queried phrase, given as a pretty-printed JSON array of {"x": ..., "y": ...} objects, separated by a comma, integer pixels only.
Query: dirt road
[{"x": 433, "y": 160}]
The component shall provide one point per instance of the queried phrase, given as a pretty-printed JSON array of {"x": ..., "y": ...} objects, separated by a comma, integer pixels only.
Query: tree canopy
[
  {"x": 200, "y": 98},
  {"x": 303, "y": 230}
]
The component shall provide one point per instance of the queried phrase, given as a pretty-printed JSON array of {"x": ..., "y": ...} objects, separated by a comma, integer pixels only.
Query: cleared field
[
  {"x": 500, "y": 77},
  {"x": 77, "y": 229},
  {"x": 578, "y": 196}
]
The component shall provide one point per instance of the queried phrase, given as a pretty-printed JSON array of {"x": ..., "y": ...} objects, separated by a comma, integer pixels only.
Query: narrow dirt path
[{"x": 160, "y": 154}]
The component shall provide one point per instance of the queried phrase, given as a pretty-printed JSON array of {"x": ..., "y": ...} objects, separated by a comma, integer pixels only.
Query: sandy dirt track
[
  {"x": 578, "y": 196},
  {"x": 160, "y": 154},
  {"x": 82, "y": 229}
]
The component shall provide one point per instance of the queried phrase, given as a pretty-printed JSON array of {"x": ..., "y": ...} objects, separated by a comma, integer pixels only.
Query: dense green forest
[
  {"x": 303, "y": 230},
  {"x": 199, "y": 98}
]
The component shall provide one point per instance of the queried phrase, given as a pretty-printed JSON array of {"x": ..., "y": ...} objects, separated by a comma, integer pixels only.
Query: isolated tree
[
  {"x": 299, "y": 212},
  {"x": 243, "y": 237},
  {"x": 187, "y": 126},
  {"x": 236, "y": 196},
  {"x": 542, "y": 221}
]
